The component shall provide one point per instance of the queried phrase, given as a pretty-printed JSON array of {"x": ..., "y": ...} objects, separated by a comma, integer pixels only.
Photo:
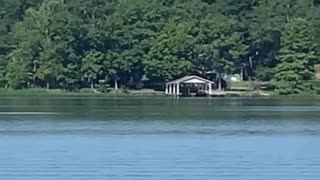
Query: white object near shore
[{"x": 185, "y": 85}]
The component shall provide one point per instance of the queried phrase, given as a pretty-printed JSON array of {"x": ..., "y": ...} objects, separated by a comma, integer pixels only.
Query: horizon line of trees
[{"x": 71, "y": 44}]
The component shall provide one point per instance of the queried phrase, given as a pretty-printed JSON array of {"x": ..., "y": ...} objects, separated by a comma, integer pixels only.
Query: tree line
[{"x": 72, "y": 44}]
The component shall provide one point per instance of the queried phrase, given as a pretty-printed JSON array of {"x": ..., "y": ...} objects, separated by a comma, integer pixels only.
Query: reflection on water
[{"x": 157, "y": 139}]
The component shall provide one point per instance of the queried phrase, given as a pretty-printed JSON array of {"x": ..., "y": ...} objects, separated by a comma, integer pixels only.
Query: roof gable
[
  {"x": 195, "y": 81},
  {"x": 191, "y": 80}
]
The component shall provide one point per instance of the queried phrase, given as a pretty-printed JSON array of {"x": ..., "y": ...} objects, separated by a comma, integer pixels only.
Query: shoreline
[
  {"x": 82, "y": 92},
  {"x": 129, "y": 93}
]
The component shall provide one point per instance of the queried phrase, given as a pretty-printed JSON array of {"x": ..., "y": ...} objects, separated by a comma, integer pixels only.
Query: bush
[
  {"x": 316, "y": 85},
  {"x": 104, "y": 87},
  {"x": 264, "y": 74}
]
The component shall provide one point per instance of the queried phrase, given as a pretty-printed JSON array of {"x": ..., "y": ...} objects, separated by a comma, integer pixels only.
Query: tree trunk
[
  {"x": 116, "y": 85},
  {"x": 220, "y": 83},
  {"x": 34, "y": 77},
  {"x": 92, "y": 85},
  {"x": 242, "y": 74}
]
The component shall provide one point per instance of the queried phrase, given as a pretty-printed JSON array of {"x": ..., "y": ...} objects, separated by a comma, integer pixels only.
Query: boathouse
[{"x": 190, "y": 86}]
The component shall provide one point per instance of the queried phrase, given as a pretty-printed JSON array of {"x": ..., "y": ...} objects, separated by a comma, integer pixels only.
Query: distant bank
[{"x": 122, "y": 92}]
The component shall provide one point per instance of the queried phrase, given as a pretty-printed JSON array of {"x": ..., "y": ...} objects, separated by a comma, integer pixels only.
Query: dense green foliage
[
  {"x": 296, "y": 56},
  {"x": 74, "y": 44}
]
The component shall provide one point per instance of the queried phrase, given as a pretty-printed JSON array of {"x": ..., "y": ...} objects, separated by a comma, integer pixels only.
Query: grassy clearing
[{"x": 53, "y": 92}]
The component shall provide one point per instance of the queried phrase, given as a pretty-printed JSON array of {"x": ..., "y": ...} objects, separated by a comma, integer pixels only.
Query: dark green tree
[
  {"x": 296, "y": 59},
  {"x": 170, "y": 54}
]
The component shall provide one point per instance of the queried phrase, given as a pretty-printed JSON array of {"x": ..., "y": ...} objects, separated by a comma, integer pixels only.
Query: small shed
[{"x": 189, "y": 85}]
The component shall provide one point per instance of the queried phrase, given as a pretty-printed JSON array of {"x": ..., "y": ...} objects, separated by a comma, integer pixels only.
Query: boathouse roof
[{"x": 191, "y": 80}]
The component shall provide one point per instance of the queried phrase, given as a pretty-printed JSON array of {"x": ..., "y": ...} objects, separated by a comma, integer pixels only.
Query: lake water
[{"x": 159, "y": 139}]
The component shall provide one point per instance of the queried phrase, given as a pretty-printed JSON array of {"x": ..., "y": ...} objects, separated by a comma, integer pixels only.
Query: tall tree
[
  {"x": 42, "y": 33},
  {"x": 296, "y": 59},
  {"x": 92, "y": 67},
  {"x": 169, "y": 56},
  {"x": 219, "y": 44}
]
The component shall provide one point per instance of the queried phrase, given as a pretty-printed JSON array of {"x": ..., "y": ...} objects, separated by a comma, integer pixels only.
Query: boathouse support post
[
  {"x": 210, "y": 89},
  {"x": 167, "y": 89},
  {"x": 174, "y": 89},
  {"x": 170, "y": 89},
  {"x": 178, "y": 89}
]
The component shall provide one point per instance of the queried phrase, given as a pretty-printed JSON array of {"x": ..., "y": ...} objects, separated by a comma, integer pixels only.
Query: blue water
[{"x": 247, "y": 143}]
